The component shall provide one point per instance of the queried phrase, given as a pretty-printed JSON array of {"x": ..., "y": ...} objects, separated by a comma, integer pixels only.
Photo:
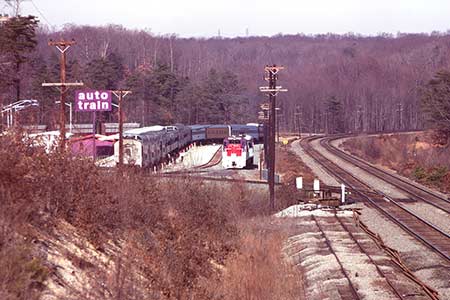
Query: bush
[
  {"x": 437, "y": 174},
  {"x": 419, "y": 173},
  {"x": 180, "y": 232},
  {"x": 22, "y": 275}
]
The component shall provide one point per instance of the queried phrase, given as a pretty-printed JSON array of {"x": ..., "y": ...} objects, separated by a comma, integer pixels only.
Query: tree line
[{"x": 337, "y": 83}]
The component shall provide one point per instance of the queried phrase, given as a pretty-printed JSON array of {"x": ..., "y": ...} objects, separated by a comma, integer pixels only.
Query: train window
[{"x": 235, "y": 142}]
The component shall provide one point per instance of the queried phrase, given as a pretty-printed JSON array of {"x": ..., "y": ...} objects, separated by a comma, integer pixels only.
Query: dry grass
[
  {"x": 290, "y": 166},
  {"x": 178, "y": 234},
  {"x": 257, "y": 271}
]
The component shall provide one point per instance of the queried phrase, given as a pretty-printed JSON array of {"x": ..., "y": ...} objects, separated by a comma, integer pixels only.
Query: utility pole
[
  {"x": 400, "y": 116},
  {"x": 298, "y": 117},
  {"x": 358, "y": 120},
  {"x": 120, "y": 94},
  {"x": 272, "y": 90},
  {"x": 63, "y": 86}
]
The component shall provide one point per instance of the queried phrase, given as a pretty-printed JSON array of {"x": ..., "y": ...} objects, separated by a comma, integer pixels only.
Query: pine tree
[
  {"x": 17, "y": 40},
  {"x": 334, "y": 119},
  {"x": 436, "y": 102}
]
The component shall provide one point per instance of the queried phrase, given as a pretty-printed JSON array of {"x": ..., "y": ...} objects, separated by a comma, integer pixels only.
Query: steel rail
[
  {"x": 326, "y": 164},
  {"x": 200, "y": 168},
  {"x": 382, "y": 174},
  {"x": 211, "y": 163},
  {"x": 352, "y": 289},
  {"x": 379, "y": 271}
]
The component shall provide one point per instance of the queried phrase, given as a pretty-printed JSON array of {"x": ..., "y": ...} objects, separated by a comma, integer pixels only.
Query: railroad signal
[
  {"x": 265, "y": 106},
  {"x": 263, "y": 115}
]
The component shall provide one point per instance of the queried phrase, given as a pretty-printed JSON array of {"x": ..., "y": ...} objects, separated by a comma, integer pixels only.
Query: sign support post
[{"x": 120, "y": 94}]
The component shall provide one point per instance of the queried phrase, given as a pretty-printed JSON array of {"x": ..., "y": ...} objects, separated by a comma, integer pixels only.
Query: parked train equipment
[{"x": 237, "y": 152}]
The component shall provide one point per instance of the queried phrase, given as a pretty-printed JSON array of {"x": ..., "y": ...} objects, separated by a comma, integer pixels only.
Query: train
[
  {"x": 237, "y": 152},
  {"x": 149, "y": 146}
]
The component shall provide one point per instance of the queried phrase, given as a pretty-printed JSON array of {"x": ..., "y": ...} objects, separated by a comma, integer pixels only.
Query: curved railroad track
[
  {"x": 431, "y": 236},
  {"x": 214, "y": 161},
  {"x": 410, "y": 188}
]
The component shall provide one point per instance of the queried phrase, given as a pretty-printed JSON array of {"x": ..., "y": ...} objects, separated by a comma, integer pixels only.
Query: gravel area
[
  {"x": 372, "y": 181},
  {"x": 323, "y": 275},
  {"x": 428, "y": 266},
  {"x": 431, "y": 214},
  {"x": 315, "y": 167}
]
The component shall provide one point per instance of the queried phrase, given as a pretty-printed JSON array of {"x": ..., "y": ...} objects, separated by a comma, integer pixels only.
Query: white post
[
  {"x": 316, "y": 186},
  {"x": 343, "y": 193},
  {"x": 299, "y": 183}
]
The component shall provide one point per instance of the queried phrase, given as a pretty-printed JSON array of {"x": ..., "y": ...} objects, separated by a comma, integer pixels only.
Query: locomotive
[{"x": 237, "y": 152}]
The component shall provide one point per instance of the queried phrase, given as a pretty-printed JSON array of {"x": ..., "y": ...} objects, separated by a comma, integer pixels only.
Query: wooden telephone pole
[
  {"x": 298, "y": 119},
  {"x": 62, "y": 86},
  {"x": 271, "y": 75},
  {"x": 120, "y": 94}
]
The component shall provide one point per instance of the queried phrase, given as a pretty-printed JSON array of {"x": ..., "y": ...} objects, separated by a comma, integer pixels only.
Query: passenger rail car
[
  {"x": 149, "y": 146},
  {"x": 237, "y": 152},
  {"x": 146, "y": 147},
  {"x": 218, "y": 133}
]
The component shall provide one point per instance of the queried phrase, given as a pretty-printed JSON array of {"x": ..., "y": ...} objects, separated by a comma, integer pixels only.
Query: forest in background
[{"x": 337, "y": 83}]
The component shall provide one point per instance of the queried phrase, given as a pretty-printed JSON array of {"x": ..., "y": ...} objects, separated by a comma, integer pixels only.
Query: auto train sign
[{"x": 92, "y": 100}]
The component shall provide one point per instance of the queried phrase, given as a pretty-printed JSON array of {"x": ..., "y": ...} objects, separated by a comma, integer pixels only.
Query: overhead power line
[{"x": 41, "y": 14}]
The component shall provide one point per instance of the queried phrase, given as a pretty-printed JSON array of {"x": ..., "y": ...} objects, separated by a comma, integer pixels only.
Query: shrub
[
  {"x": 419, "y": 173},
  {"x": 437, "y": 174},
  {"x": 179, "y": 231}
]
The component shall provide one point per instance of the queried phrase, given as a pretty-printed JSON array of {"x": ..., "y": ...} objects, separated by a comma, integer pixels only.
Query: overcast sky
[{"x": 204, "y": 18}]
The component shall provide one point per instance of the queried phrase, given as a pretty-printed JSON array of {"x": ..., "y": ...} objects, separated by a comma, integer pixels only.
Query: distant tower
[
  {"x": 218, "y": 34},
  {"x": 246, "y": 32}
]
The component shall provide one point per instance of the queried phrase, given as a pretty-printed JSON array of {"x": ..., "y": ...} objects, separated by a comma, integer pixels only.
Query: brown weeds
[{"x": 179, "y": 235}]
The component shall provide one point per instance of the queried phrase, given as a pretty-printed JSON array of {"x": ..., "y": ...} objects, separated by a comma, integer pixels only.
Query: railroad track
[
  {"x": 347, "y": 292},
  {"x": 351, "y": 291},
  {"x": 214, "y": 161},
  {"x": 417, "y": 192},
  {"x": 431, "y": 236}
]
